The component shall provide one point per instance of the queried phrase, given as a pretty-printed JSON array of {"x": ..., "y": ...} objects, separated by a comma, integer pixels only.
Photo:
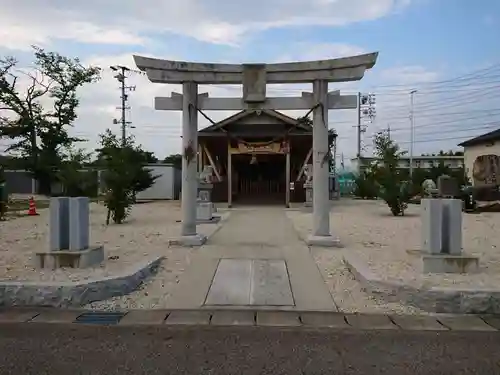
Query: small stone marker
[
  {"x": 441, "y": 239},
  {"x": 79, "y": 225},
  {"x": 69, "y": 236},
  {"x": 452, "y": 227},
  {"x": 59, "y": 223},
  {"x": 431, "y": 215},
  {"x": 428, "y": 187},
  {"x": 447, "y": 186}
]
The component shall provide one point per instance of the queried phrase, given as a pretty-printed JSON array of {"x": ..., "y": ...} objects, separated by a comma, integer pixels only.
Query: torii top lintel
[{"x": 333, "y": 70}]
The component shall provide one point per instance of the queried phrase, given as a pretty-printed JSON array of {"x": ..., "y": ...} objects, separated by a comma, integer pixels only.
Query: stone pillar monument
[
  {"x": 442, "y": 238},
  {"x": 69, "y": 236}
]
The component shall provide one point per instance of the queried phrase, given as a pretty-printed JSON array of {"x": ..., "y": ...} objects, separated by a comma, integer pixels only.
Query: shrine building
[{"x": 258, "y": 157}]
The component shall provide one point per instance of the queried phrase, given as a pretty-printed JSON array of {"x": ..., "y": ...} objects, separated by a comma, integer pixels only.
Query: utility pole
[
  {"x": 366, "y": 110},
  {"x": 359, "y": 126},
  {"x": 121, "y": 77},
  {"x": 412, "y": 128},
  {"x": 334, "y": 164},
  {"x": 389, "y": 130}
]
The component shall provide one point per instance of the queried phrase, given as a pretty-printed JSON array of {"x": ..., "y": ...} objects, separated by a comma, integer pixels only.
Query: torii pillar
[{"x": 254, "y": 78}]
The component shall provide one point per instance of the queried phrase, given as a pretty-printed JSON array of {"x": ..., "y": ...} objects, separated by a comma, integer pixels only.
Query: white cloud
[
  {"x": 127, "y": 21},
  {"x": 407, "y": 75},
  {"x": 159, "y": 131}
]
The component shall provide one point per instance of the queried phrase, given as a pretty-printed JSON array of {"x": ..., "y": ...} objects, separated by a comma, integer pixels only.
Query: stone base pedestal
[
  {"x": 447, "y": 263},
  {"x": 324, "y": 241},
  {"x": 72, "y": 259},
  {"x": 189, "y": 241},
  {"x": 213, "y": 220},
  {"x": 309, "y": 196},
  {"x": 205, "y": 213}
]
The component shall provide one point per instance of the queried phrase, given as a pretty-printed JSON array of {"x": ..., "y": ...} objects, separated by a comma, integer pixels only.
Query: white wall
[{"x": 163, "y": 187}]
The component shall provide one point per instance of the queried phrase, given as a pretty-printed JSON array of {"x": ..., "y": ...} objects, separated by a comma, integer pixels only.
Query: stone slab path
[{"x": 256, "y": 260}]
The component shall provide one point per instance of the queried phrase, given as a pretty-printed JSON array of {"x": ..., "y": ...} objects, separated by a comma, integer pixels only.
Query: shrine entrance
[
  {"x": 260, "y": 179},
  {"x": 254, "y": 78}
]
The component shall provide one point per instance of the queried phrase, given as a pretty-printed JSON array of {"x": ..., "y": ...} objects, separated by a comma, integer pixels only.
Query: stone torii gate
[{"x": 254, "y": 78}]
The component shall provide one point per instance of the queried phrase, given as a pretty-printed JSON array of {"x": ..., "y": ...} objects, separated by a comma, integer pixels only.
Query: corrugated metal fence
[{"x": 21, "y": 182}]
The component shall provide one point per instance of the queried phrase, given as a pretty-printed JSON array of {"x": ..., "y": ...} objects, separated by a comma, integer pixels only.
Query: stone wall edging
[
  {"x": 75, "y": 294},
  {"x": 435, "y": 299}
]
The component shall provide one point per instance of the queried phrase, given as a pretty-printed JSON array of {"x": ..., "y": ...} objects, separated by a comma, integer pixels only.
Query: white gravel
[
  {"x": 143, "y": 237},
  {"x": 367, "y": 229}
]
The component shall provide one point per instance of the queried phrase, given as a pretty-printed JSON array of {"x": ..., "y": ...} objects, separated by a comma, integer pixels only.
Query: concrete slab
[
  {"x": 377, "y": 322},
  {"x": 231, "y": 284},
  {"x": 139, "y": 317},
  {"x": 17, "y": 316},
  {"x": 448, "y": 263},
  {"x": 324, "y": 319},
  {"x": 233, "y": 318},
  {"x": 270, "y": 284},
  {"x": 57, "y": 316},
  {"x": 194, "y": 284},
  {"x": 308, "y": 286},
  {"x": 70, "y": 258},
  {"x": 465, "y": 323},
  {"x": 418, "y": 323},
  {"x": 278, "y": 318},
  {"x": 189, "y": 317}
]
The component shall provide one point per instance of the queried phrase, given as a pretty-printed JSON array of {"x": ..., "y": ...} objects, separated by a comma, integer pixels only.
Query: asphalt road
[{"x": 36, "y": 348}]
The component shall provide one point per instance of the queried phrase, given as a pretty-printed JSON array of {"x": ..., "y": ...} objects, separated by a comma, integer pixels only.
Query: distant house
[
  {"x": 425, "y": 162},
  {"x": 482, "y": 158}
]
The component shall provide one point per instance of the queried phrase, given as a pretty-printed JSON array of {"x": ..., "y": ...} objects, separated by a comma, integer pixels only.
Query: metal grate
[{"x": 103, "y": 318}]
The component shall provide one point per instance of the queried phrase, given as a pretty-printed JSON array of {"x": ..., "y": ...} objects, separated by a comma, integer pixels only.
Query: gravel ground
[
  {"x": 143, "y": 237},
  {"x": 367, "y": 229},
  {"x": 348, "y": 293}
]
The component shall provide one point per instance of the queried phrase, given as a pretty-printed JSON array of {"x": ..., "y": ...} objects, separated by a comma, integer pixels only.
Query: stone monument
[
  {"x": 429, "y": 188},
  {"x": 308, "y": 185},
  {"x": 69, "y": 236},
  {"x": 447, "y": 187},
  {"x": 442, "y": 238},
  {"x": 204, "y": 206}
]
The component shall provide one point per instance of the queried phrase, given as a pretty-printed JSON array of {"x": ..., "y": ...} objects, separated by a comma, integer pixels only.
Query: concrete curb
[
  {"x": 283, "y": 319},
  {"x": 435, "y": 299},
  {"x": 75, "y": 294}
]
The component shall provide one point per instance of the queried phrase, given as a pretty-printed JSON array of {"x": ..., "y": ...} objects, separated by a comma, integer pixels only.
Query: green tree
[
  {"x": 174, "y": 159},
  {"x": 40, "y": 131},
  {"x": 75, "y": 177},
  {"x": 365, "y": 185},
  {"x": 394, "y": 188},
  {"x": 3, "y": 194},
  {"x": 123, "y": 175}
]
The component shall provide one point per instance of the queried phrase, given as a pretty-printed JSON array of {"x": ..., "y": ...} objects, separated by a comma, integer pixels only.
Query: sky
[{"x": 447, "y": 50}]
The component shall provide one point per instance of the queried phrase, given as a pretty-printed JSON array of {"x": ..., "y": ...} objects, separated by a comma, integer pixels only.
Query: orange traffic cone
[{"x": 32, "y": 209}]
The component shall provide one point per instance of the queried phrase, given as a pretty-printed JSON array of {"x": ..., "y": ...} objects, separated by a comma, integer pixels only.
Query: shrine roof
[{"x": 250, "y": 112}]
